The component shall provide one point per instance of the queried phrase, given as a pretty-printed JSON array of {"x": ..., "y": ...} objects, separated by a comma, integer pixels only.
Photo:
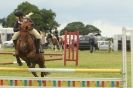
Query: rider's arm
[{"x": 16, "y": 25}]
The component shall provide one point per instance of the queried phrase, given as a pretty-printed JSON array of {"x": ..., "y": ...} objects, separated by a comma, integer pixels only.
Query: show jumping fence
[
  {"x": 120, "y": 82},
  {"x": 71, "y": 46},
  {"x": 60, "y": 81}
]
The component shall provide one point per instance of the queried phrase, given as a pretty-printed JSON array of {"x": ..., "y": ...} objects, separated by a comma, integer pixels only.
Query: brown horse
[
  {"x": 26, "y": 49},
  {"x": 55, "y": 43}
]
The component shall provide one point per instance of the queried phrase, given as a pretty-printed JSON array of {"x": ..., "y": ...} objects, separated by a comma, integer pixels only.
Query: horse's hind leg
[
  {"x": 33, "y": 66},
  {"x": 41, "y": 65}
]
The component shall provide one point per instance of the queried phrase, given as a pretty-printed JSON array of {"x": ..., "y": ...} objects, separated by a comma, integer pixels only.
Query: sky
[{"x": 107, "y": 15}]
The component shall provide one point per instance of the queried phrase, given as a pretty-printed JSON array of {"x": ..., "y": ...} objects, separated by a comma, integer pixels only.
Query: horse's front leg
[
  {"x": 28, "y": 62},
  {"x": 19, "y": 61}
]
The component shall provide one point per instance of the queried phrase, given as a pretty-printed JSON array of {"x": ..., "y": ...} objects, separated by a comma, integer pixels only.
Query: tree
[
  {"x": 92, "y": 29},
  {"x": 3, "y": 21},
  {"x": 79, "y": 26},
  {"x": 74, "y": 26},
  {"x": 43, "y": 19}
]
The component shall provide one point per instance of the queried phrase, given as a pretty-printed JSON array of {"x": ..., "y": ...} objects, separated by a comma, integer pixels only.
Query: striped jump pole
[
  {"x": 61, "y": 82},
  {"x": 58, "y": 70}
]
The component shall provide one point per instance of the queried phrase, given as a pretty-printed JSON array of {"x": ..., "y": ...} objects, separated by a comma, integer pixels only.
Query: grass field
[{"x": 98, "y": 59}]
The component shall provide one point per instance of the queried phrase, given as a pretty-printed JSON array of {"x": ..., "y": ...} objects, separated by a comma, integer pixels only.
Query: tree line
[{"x": 44, "y": 20}]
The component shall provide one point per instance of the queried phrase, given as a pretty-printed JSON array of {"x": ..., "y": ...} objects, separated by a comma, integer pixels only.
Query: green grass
[{"x": 98, "y": 59}]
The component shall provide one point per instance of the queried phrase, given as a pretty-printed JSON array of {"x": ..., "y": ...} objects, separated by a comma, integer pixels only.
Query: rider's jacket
[
  {"x": 16, "y": 26},
  {"x": 55, "y": 33},
  {"x": 49, "y": 35}
]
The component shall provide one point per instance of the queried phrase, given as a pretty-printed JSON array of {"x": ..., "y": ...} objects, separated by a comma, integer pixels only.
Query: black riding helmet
[{"x": 19, "y": 13}]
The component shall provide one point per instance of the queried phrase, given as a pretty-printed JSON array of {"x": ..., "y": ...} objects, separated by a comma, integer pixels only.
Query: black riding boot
[{"x": 38, "y": 47}]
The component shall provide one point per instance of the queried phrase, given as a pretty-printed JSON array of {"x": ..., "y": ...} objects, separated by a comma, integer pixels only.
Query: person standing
[{"x": 92, "y": 43}]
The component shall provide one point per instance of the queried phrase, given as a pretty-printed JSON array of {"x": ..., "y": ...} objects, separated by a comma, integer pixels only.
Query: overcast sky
[{"x": 107, "y": 15}]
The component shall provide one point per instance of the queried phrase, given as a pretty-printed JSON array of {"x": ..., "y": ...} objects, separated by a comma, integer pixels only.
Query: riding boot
[
  {"x": 41, "y": 49},
  {"x": 38, "y": 47},
  {"x": 15, "y": 43}
]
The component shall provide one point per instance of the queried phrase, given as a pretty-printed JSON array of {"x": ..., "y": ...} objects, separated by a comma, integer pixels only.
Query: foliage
[
  {"x": 74, "y": 26},
  {"x": 43, "y": 19},
  {"x": 81, "y": 27},
  {"x": 3, "y": 22},
  {"x": 92, "y": 29}
]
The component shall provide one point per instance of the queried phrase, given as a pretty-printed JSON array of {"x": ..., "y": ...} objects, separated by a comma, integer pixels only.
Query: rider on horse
[
  {"x": 56, "y": 34},
  {"x": 20, "y": 17}
]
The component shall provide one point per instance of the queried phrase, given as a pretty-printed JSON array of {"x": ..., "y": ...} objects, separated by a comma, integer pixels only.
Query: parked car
[
  {"x": 8, "y": 43},
  {"x": 104, "y": 45},
  {"x": 84, "y": 43}
]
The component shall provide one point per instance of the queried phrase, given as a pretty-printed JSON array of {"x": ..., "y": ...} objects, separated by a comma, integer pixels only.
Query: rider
[
  {"x": 20, "y": 16},
  {"x": 49, "y": 36},
  {"x": 56, "y": 34}
]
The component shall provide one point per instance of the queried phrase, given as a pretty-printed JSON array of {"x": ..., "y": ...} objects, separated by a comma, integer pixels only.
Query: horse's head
[{"x": 26, "y": 24}]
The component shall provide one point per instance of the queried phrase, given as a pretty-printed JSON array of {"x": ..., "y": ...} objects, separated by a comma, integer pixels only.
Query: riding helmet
[{"x": 19, "y": 13}]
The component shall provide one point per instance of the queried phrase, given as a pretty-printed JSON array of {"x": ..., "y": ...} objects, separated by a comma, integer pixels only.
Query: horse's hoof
[
  {"x": 20, "y": 64},
  {"x": 46, "y": 73}
]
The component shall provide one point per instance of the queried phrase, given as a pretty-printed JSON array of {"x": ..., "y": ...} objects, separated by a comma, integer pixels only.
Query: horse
[
  {"x": 26, "y": 49},
  {"x": 61, "y": 42},
  {"x": 53, "y": 41}
]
